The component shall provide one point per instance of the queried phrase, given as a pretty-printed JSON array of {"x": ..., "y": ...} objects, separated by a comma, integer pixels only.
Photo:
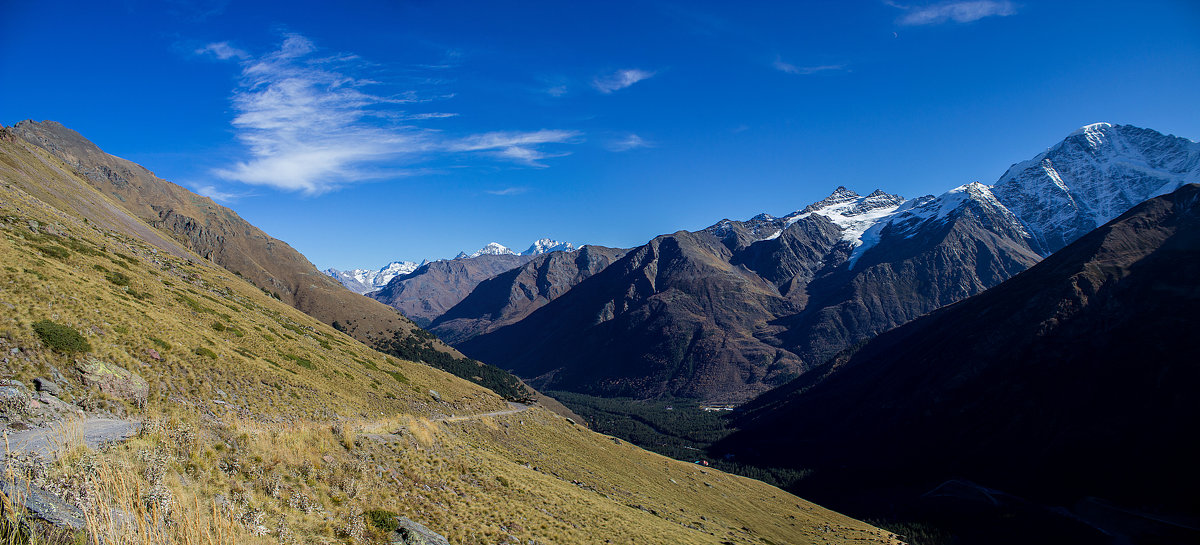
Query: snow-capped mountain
[
  {"x": 546, "y": 245},
  {"x": 539, "y": 247},
  {"x": 368, "y": 280},
  {"x": 1091, "y": 177}
]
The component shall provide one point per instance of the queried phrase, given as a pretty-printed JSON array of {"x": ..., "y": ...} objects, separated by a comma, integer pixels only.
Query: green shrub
[
  {"x": 117, "y": 278},
  {"x": 399, "y": 377},
  {"x": 383, "y": 519},
  {"x": 160, "y": 343},
  {"x": 300, "y": 361},
  {"x": 55, "y": 251},
  {"x": 61, "y": 338},
  {"x": 205, "y": 352},
  {"x": 218, "y": 326}
]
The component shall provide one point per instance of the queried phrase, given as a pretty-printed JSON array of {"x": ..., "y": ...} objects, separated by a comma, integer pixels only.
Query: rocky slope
[
  {"x": 1074, "y": 379},
  {"x": 733, "y": 310}
]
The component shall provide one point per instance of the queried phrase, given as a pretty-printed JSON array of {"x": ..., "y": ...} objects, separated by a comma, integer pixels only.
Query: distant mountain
[
  {"x": 728, "y": 312},
  {"x": 368, "y": 280},
  {"x": 539, "y": 247},
  {"x": 431, "y": 289},
  {"x": 1074, "y": 379},
  {"x": 512, "y": 295}
]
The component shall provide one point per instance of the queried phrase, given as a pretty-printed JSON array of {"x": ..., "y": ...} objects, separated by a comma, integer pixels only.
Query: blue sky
[{"x": 362, "y": 132}]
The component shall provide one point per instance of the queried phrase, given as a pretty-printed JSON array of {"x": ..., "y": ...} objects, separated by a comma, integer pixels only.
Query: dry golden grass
[{"x": 285, "y": 434}]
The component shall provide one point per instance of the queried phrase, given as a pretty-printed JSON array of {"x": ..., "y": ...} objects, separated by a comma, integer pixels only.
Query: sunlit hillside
[{"x": 260, "y": 424}]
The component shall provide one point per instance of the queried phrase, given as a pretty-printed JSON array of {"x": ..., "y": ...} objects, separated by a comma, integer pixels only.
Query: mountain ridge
[{"x": 833, "y": 274}]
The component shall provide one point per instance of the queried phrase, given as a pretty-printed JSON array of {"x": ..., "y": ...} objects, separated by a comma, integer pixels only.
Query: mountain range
[
  {"x": 728, "y": 312},
  {"x": 1069, "y": 385},
  {"x": 430, "y": 289}
]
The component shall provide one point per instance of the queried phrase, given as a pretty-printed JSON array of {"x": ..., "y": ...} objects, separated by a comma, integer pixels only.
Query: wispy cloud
[
  {"x": 223, "y": 51},
  {"x": 958, "y": 12},
  {"x": 630, "y": 142},
  {"x": 215, "y": 194},
  {"x": 789, "y": 68},
  {"x": 620, "y": 80},
  {"x": 311, "y": 123},
  {"x": 521, "y": 147},
  {"x": 507, "y": 191}
]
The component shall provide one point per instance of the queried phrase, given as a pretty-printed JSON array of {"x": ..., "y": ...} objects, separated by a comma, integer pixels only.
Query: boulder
[
  {"x": 47, "y": 386},
  {"x": 44, "y": 506},
  {"x": 409, "y": 532},
  {"x": 114, "y": 380}
]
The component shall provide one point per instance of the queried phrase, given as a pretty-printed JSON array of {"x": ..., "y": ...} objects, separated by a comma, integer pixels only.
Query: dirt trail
[
  {"x": 49, "y": 441},
  {"x": 513, "y": 408}
]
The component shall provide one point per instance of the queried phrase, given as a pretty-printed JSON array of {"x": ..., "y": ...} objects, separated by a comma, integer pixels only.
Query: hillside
[
  {"x": 261, "y": 424},
  {"x": 1070, "y": 385},
  {"x": 205, "y": 228},
  {"x": 188, "y": 225}
]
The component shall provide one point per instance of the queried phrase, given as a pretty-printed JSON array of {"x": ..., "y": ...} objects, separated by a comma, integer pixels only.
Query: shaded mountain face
[
  {"x": 1075, "y": 378},
  {"x": 199, "y": 225},
  {"x": 742, "y": 306},
  {"x": 673, "y": 316},
  {"x": 512, "y": 295},
  {"x": 431, "y": 289}
]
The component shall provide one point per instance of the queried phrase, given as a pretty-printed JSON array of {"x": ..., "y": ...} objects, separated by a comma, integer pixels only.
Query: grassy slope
[{"x": 281, "y": 419}]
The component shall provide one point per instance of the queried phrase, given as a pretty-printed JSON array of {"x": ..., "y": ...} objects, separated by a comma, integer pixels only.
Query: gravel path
[
  {"x": 513, "y": 408},
  {"x": 49, "y": 441}
]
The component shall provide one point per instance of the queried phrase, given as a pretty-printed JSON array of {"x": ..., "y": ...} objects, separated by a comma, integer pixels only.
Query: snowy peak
[
  {"x": 841, "y": 195},
  {"x": 492, "y": 248},
  {"x": 1093, "y": 176},
  {"x": 539, "y": 247},
  {"x": 853, "y": 213},
  {"x": 546, "y": 245}
]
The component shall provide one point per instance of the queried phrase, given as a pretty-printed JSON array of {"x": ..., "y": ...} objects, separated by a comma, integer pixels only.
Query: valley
[{"x": 258, "y": 422}]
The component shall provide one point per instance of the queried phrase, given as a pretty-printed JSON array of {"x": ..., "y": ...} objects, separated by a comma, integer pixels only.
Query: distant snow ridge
[
  {"x": 368, "y": 280},
  {"x": 1091, "y": 177},
  {"x": 545, "y": 246},
  {"x": 539, "y": 247},
  {"x": 850, "y": 211}
]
